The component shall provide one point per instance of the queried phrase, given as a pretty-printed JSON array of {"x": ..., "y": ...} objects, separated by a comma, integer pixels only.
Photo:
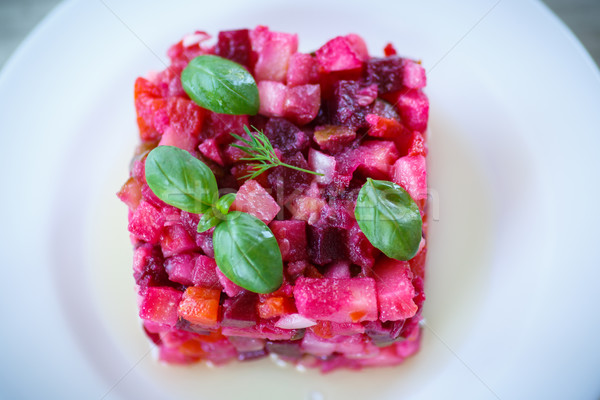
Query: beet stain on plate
[{"x": 278, "y": 202}]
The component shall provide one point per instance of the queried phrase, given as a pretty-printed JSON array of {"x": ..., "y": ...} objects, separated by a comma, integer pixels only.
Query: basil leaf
[
  {"x": 207, "y": 221},
  {"x": 389, "y": 218},
  {"x": 247, "y": 253},
  {"x": 180, "y": 179},
  {"x": 220, "y": 85},
  {"x": 225, "y": 202}
]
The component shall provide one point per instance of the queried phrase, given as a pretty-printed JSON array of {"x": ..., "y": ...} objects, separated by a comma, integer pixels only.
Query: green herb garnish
[
  {"x": 246, "y": 250},
  {"x": 389, "y": 218},
  {"x": 247, "y": 253},
  {"x": 220, "y": 85},
  {"x": 260, "y": 150},
  {"x": 181, "y": 180}
]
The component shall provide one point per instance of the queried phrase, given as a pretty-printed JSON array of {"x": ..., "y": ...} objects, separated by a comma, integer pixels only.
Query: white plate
[{"x": 512, "y": 286}]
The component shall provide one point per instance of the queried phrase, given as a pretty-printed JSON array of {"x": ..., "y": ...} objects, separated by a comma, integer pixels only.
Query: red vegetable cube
[
  {"x": 339, "y": 54},
  {"x": 159, "y": 304},
  {"x": 337, "y": 300},
  {"x": 395, "y": 291},
  {"x": 253, "y": 199}
]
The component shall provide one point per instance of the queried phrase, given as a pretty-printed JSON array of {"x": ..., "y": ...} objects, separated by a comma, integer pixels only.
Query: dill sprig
[{"x": 260, "y": 150}]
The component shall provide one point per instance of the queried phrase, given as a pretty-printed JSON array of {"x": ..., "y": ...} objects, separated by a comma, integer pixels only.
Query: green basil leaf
[
  {"x": 180, "y": 179},
  {"x": 224, "y": 203},
  {"x": 207, "y": 221},
  {"x": 389, "y": 218},
  {"x": 247, "y": 253},
  {"x": 220, "y": 85}
]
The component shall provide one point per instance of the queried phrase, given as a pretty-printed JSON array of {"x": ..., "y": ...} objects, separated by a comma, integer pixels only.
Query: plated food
[{"x": 278, "y": 202}]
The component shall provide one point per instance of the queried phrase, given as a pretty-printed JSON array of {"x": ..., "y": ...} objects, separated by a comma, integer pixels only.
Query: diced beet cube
[
  {"x": 338, "y": 269},
  {"x": 288, "y": 183},
  {"x": 241, "y": 172},
  {"x": 219, "y": 352},
  {"x": 338, "y": 214},
  {"x": 337, "y": 300},
  {"x": 273, "y": 50},
  {"x": 204, "y": 272},
  {"x": 302, "y": 70},
  {"x": 376, "y": 158},
  {"x": 291, "y": 238},
  {"x": 344, "y": 108},
  {"x": 395, "y": 291},
  {"x": 220, "y": 127},
  {"x": 285, "y": 136},
  {"x": 159, "y": 305},
  {"x": 360, "y": 250},
  {"x": 148, "y": 267},
  {"x": 180, "y": 268},
  {"x": 131, "y": 193},
  {"x": 384, "y": 109},
  {"x": 302, "y": 103},
  {"x": 175, "y": 239},
  {"x": 230, "y": 288},
  {"x": 386, "y": 72},
  {"x": 205, "y": 241},
  {"x": 417, "y": 263},
  {"x": 325, "y": 244},
  {"x": 413, "y": 107},
  {"x": 334, "y": 138},
  {"x": 168, "y": 83},
  {"x": 323, "y": 164},
  {"x": 211, "y": 150},
  {"x": 200, "y": 306},
  {"x": 366, "y": 95},
  {"x": 339, "y": 54},
  {"x": 358, "y": 45},
  {"x": 185, "y": 122},
  {"x": 146, "y": 223},
  {"x": 410, "y": 172},
  {"x": 253, "y": 199},
  {"x": 386, "y": 128},
  {"x": 149, "y": 196},
  {"x": 240, "y": 311},
  {"x": 272, "y": 97},
  {"x": 235, "y": 46},
  {"x": 418, "y": 146},
  {"x": 413, "y": 75}
]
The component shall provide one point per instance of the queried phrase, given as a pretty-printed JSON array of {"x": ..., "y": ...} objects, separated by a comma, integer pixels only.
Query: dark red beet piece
[
  {"x": 240, "y": 311},
  {"x": 285, "y": 136},
  {"x": 285, "y": 349},
  {"x": 325, "y": 244},
  {"x": 344, "y": 108},
  {"x": 385, "y": 72},
  {"x": 235, "y": 45},
  {"x": 287, "y": 183},
  {"x": 152, "y": 270}
]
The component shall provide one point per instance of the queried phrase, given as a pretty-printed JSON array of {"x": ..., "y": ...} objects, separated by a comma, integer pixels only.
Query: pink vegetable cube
[
  {"x": 210, "y": 150},
  {"x": 274, "y": 50},
  {"x": 180, "y": 268},
  {"x": 337, "y": 300},
  {"x": 254, "y": 199},
  {"x": 413, "y": 75},
  {"x": 376, "y": 157},
  {"x": 175, "y": 239},
  {"x": 303, "y": 69},
  {"x": 334, "y": 138},
  {"x": 272, "y": 97},
  {"x": 339, "y": 54},
  {"x": 291, "y": 238},
  {"x": 302, "y": 103},
  {"x": 413, "y": 107},
  {"x": 410, "y": 172},
  {"x": 395, "y": 291},
  {"x": 159, "y": 305},
  {"x": 230, "y": 288},
  {"x": 204, "y": 272},
  {"x": 146, "y": 223}
]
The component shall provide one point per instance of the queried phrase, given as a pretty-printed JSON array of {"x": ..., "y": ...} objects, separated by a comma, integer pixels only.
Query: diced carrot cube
[{"x": 200, "y": 306}]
